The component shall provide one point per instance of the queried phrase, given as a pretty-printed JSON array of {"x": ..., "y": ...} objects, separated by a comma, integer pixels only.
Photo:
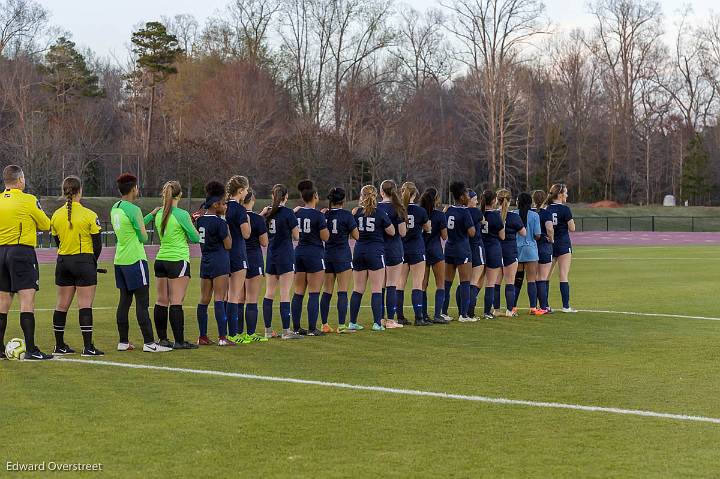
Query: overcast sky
[{"x": 105, "y": 26}]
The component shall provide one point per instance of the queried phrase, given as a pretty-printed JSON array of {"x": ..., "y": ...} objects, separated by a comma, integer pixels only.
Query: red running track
[{"x": 594, "y": 238}]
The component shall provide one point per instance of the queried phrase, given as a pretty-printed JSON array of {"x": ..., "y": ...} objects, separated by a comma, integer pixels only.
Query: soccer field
[{"x": 176, "y": 422}]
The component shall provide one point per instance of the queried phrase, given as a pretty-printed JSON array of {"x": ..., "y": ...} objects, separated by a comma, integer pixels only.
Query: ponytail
[
  {"x": 368, "y": 200},
  {"x": 538, "y": 198},
  {"x": 428, "y": 200},
  {"x": 279, "y": 193},
  {"x": 71, "y": 186},
  {"x": 235, "y": 184},
  {"x": 170, "y": 191},
  {"x": 408, "y": 190},
  {"x": 487, "y": 199},
  {"x": 390, "y": 189},
  {"x": 503, "y": 196},
  {"x": 524, "y": 203},
  {"x": 555, "y": 191}
]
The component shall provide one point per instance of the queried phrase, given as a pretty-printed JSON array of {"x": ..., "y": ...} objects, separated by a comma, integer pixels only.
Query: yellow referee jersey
[
  {"x": 75, "y": 240},
  {"x": 20, "y": 218}
]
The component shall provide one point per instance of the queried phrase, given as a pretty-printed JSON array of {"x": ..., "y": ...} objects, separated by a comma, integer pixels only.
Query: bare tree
[
  {"x": 185, "y": 28},
  {"x": 21, "y": 23}
]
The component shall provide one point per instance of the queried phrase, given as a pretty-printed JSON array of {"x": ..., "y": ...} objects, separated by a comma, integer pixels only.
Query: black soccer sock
[
  {"x": 3, "y": 326},
  {"x": 519, "y": 278},
  {"x": 177, "y": 322},
  {"x": 123, "y": 310},
  {"x": 142, "y": 303},
  {"x": 161, "y": 321},
  {"x": 27, "y": 323},
  {"x": 85, "y": 316},
  {"x": 59, "y": 320}
]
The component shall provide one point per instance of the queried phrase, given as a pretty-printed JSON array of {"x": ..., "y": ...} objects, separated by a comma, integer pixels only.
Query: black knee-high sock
[
  {"x": 3, "y": 326},
  {"x": 160, "y": 314},
  {"x": 519, "y": 278},
  {"x": 177, "y": 322},
  {"x": 85, "y": 317},
  {"x": 59, "y": 320},
  {"x": 27, "y": 323},
  {"x": 496, "y": 297},
  {"x": 123, "y": 310},
  {"x": 142, "y": 303},
  {"x": 400, "y": 303}
]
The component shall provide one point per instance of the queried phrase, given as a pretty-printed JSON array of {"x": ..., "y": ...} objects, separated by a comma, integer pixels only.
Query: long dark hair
[
  {"x": 487, "y": 199},
  {"x": 389, "y": 187},
  {"x": 279, "y": 192},
  {"x": 428, "y": 200},
  {"x": 524, "y": 203},
  {"x": 459, "y": 191}
]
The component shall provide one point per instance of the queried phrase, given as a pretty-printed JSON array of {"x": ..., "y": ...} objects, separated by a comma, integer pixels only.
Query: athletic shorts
[
  {"x": 561, "y": 249},
  {"x": 433, "y": 256},
  {"x": 368, "y": 261},
  {"x": 309, "y": 263},
  {"x": 493, "y": 256},
  {"x": 211, "y": 268},
  {"x": 394, "y": 260},
  {"x": 132, "y": 276},
  {"x": 478, "y": 256},
  {"x": 256, "y": 265},
  {"x": 456, "y": 260},
  {"x": 237, "y": 264},
  {"x": 18, "y": 268},
  {"x": 337, "y": 267},
  {"x": 277, "y": 269},
  {"x": 413, "y": 258},
  {"x": 76, "y": 270},
  {"x": 545, "y": 253},
  {"x": 528, "y": 254},
  {"x": 509, "y": 253},
  {"x": 171, "y": 269}
]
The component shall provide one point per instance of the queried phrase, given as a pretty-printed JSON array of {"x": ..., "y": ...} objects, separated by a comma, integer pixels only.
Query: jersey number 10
[{"x": 304, "y": 225}]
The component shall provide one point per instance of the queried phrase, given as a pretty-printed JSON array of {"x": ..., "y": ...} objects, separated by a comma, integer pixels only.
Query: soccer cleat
[
  {"x": 355, "y": 327},
  {"x": 204, "y": 341},
  {"x": 164, "y": 343},
  {"x": 391, "y": 324},
  {"x": 536, "y": 312},
  {"x": 377, "y": 327},
  {"x": 185, "y": 345},
  {"x": 326, "y": 329},
  {"x": 403, "y": 322},
  {"x": 37, "y": 355},
  {"x": 125, "y": 346},
  {"x": 569, "y": 310},
  {"x": 466, "y": 319},
  {"x": 511, "y": 313},
  {"x": 224, "y": 341},
  {"x": 549, "y": 310},
  {"x": 155, "y": 348},
  {"x": 91, "y": 351},
  {"x": 446, "y": 317},
  {"x": 63, "y": 350},
  {"x": 237, "y": 339},
  {"x": 290, "y": 334},
  {"x": 343, "y": 328},
  {"x": 422, "y": 322},
  {"x": 255, "y": 338},
  {"x": 488, "y": 316},
  {"x": 301, "y": 331},
  {"x": 269, "y": 333},
  {"x": 315, "y": 332},
  {"x": 439, "y": 321}
]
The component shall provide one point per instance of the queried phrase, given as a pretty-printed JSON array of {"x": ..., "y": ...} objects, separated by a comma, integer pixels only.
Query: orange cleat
[{"x": 327, "y": 329}]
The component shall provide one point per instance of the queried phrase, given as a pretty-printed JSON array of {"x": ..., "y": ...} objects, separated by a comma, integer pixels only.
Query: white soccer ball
[{"x": 15, "y": 349}]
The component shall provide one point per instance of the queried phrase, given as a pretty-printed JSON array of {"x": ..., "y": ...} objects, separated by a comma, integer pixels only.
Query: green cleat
[
  {"x": 377, "y": 327},
  {"x": 237, "y": 339},
  {"x": 355, "y": 327},
  {"x": 255, "y": 338},
  {"x": 342, "y": 328}
]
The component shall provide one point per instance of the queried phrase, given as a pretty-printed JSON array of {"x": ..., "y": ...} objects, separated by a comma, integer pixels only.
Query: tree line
[{"x": 354, "y": 91}]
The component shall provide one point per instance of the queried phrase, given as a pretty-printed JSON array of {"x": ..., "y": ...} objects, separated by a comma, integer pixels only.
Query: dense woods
[{"x": 353, "y": 91}]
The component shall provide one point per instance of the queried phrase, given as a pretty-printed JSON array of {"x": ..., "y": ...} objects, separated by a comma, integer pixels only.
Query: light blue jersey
[{"x": 527, "y": 246}]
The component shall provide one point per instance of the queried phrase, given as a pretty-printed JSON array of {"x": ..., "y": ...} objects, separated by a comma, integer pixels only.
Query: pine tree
[
  {"x": 68, "y": 74},
  {"x": 696, "y": 171}
]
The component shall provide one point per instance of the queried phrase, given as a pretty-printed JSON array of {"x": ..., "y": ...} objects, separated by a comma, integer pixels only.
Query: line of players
[{"x": 398, "y": 233}]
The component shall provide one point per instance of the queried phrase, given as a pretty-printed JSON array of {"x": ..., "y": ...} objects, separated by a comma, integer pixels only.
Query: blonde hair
[
  {"x": 408, "y": 190},
  {"x": 235, "y": 184},
  {"x": 368, "y": 200},
  {"x": 70, "y": 186},
  {"x": 170, "y": 191},
  {"x": 555, "y": 191},
  {"x": 503, "y": 197}
]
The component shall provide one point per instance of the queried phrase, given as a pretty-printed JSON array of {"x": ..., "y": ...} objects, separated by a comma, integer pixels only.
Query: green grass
[{"x": 142, "y": 422}]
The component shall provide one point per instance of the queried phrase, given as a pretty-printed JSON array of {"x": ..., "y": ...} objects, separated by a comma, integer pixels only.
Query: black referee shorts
[
  {"x": 76, "y": 270},
  {"x": 18, "y": 268},
  {"x": 171, "y": 269}
]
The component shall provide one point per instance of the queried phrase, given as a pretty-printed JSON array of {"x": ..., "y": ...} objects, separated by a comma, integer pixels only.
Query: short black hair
[
  {"x": 307, "y": 190},
  {"x": 126, "y": 182},
  {"x": 458, "y": 189},
  {"x": 336, "y": 196},
  {"x": 214, "y": 188}
]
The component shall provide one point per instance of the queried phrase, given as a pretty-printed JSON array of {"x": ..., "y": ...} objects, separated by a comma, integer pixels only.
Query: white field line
[{"x": 407, "y": 392}]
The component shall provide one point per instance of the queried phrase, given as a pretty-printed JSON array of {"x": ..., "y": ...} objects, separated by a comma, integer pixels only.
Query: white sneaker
[
  {"x": 511, "y": 314},
  {"x": 446, "y": 317},
  {"x": 125, "y": 347},
  {"x": 465, "y": 319},
  {"x": 155, "y": 348},
  {"x": 290, "y": 334},
  {"x": 569, "y": 310}
]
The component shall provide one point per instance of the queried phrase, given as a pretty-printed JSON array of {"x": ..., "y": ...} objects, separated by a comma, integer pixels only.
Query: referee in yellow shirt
[
  {"x": 20, "y": 218},
  {"x": 76, "y": 231}
]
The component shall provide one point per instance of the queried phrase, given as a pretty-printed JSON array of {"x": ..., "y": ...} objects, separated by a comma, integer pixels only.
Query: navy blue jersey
[
  {"x": 492, "y": 227},
  {"x": 477, "y": 218},
  {"x": 393, "y": 244},
  {"x": 257, "y": 229},
  {"x": 433, "y": 241},
  {"x": 413, "y": 241},
  {"x": 513, "y": 224},
  {"x": 280, "y": 229},
  {"x": 340, "y": 223},
  {"x": 372, "y": 230},
  {"x": 213, "y": 231},
  {"x": 459, "y": 222},
  {"x": 560, "y": 215},
  {"x": 311, "y": 222},
  {"x": 545, "y": 216},
  {"x": 236, "y": 216}
]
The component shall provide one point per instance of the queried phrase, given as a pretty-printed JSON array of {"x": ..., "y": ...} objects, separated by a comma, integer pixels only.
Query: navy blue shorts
[
  {"x": 478, "y": 256},
  {"x": 561, "y": 249},
  {"x": 309, "y": 263},
  {"x": 493, "y": 256},
  {"x": 277, "y": 269},
  {"x": 413, "y": 258},
  {"x": 238, "y": 263},
  {"x": 545, "y": 253},
  {"x": 214, "y": 267},
  {"x": 337, "y": 267},
  {"x": 509, "y": 253},
  {"x": 256, "y": 265},
  {"x": 434, "y": 256},
  {"x": 133, "y": 276},
  {"x": 394, "y": 260},
  {"x": 456, "y": 260},
  {"x": 368, "y": 261}
]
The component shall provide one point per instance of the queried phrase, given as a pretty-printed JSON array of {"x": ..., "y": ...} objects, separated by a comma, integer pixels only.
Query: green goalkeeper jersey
[
  {"x": 126, "y": 221},
  {"x": 179, "y": 231}
]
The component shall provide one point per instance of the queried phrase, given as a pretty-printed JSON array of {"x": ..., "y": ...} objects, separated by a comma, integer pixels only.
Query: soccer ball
[{"x": 15, "y": 349}]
